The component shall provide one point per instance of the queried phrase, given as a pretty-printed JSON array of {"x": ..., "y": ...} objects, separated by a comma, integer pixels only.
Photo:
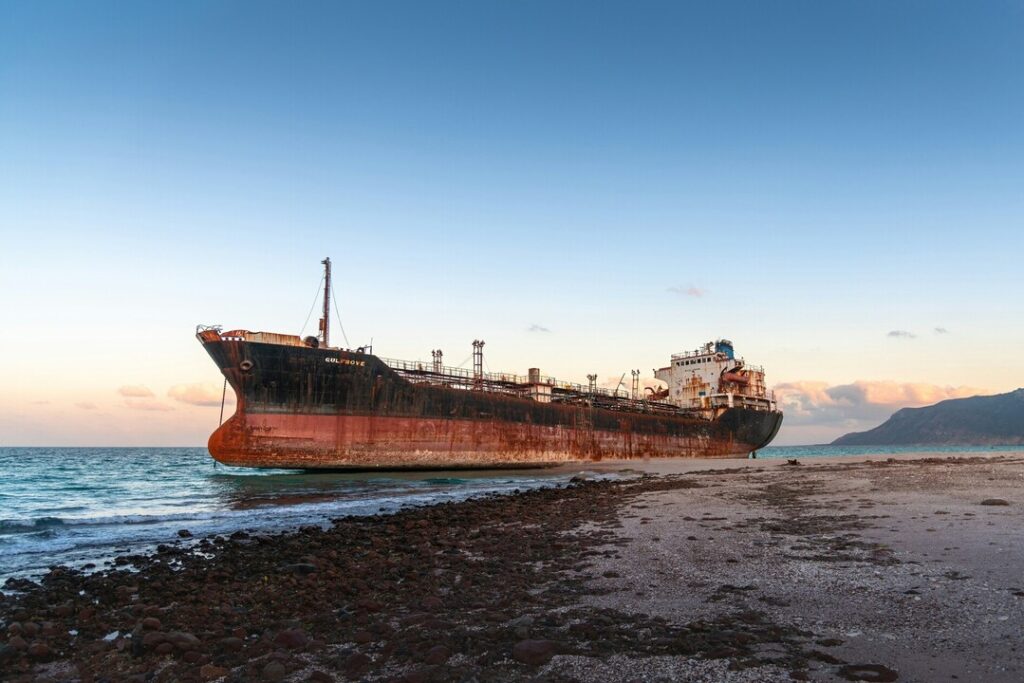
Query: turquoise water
[
  {"x": 828, "y": 451},
  {"x": 77, "y": 506}
]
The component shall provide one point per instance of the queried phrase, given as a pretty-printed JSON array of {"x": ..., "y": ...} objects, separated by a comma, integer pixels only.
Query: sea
[{"x": 82, "y": 507}]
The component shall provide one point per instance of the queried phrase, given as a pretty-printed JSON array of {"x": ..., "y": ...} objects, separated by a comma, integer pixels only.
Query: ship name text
[{"x": 344, "y": 361}]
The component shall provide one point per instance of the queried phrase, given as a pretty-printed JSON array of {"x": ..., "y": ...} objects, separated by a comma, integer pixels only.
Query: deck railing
[{"x": 464, "y": 376}]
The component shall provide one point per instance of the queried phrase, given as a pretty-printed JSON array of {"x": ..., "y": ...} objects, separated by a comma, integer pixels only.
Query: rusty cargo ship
[{"x": 301, "y": 403}]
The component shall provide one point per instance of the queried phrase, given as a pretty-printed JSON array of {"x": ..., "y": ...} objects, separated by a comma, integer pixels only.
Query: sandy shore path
[
  {"x": 864, "y": 569},
  {"x": 893, "y": 563}
]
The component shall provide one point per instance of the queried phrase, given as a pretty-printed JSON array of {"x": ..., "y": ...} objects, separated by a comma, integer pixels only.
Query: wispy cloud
[
  {"x": 199, "y": 394},
  {"x": 146, "y": 404},
  {"x": 691, "y": 290},
  {"x": 537, "y": 328},
  {"x": 135, "y": 391},
  {"x": 86, "y": 405},
  {"x": 902, "y": 334},
  {"x": 941, "y": 330},
  {"x": 138, "y": 397},
  {"x": 859, "y": 405}
]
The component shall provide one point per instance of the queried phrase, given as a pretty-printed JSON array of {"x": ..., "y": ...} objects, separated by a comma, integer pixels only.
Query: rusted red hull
[
  {"x": 330, "y": 409},
  {"x": 370, "y": 442}
]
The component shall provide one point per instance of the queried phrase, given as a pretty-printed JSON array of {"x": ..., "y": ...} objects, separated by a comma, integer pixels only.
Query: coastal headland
[{"x": 858, "y": 568}]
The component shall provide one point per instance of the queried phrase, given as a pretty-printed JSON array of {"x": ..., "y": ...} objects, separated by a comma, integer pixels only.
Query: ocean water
[
  {"x": 79, "y": 506},
  {"x": 831, "y": 451}
]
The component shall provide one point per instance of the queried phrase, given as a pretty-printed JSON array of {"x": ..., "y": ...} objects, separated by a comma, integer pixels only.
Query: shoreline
[{"x": 708, "y": 570}]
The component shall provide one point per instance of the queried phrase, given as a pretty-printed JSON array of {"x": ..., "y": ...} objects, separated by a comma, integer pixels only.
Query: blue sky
[{"x": 815, "y": 175}]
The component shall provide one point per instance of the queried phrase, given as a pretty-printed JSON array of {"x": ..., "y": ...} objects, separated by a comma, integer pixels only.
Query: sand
[
  {"x": 893, "y": 562},
  {"x": 839, "y": 569}
]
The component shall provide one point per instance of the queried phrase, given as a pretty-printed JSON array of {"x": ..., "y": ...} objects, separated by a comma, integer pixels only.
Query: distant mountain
[{"x": 979, "y": 420}]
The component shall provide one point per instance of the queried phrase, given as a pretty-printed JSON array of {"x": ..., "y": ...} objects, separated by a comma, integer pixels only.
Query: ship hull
[{"x": 328, "y": 409}]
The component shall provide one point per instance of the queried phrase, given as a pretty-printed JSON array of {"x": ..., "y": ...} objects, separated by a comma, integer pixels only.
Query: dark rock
[
  {"x": 871, "y": 673},
  {"x": 414, "y": 618},
  {"x": 534, "y": 652},
  {"x": 273, "y": 672},
  {"x": 371, "y": 605},
  {"x": 300, "y": 568},
  {"x": 232, "y": 644},
  {"x": 18, "y": 643},
  {"x": 208, "y": 672},
  {"x": 38, "y": 650},
  {"x": 8, "y": 653},
  {"x": 438, "y": 654},
  {"x": 356, "y": 663},
  {"x": 151, "y": 624},
  {"x": 184, "y": 533},
  {"x": 153, "y": 638},
  {"x": 183, "y": 641},
  {"x": 293, "y": 639},
  {"x": 317, "y": 676},
  {"x": 995, "y": 501},
  {"x": 432, "y": 604}
]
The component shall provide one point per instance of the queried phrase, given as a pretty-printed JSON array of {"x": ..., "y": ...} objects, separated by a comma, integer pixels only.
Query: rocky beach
[{"x": 873, "y": 569}]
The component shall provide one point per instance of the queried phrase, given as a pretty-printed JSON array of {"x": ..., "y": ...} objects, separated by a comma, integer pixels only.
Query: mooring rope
[{"x": 223, "y": 395}]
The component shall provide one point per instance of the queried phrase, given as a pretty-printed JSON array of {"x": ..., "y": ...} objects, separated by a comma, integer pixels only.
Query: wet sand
[{"x": 838, "y": 569}]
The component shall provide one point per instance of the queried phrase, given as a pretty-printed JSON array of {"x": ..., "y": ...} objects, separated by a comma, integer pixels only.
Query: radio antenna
[{"x": 325, "y": 322}]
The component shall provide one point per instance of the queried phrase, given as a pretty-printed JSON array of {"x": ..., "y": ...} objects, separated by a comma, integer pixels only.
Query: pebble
[
  {"x": 356, "y": 662},
  {"x": 438, "y": 654},
  {"x": 183, "y": 641},
  {"x": 273, "y": 672},
  {"x": 534, "y": 652},
  {"x": 153, "y": 638},
  {"x": 208, "y": 672},
  {"x": 293, "y": 639},
  {"x": 232, "y": 644},
  {"x": 38, "y": 650},
  {"x": 432, "y": 604}
]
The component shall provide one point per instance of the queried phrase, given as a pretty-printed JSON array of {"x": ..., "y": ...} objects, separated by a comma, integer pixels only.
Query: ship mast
[{"x": 325, "y": 322}]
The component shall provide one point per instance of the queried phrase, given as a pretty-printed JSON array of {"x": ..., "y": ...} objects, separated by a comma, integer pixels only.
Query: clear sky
[{"x": 588, "y": 186}]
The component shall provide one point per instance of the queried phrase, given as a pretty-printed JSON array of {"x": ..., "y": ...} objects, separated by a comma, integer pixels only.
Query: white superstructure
[{"x": 712, "y": 377}]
